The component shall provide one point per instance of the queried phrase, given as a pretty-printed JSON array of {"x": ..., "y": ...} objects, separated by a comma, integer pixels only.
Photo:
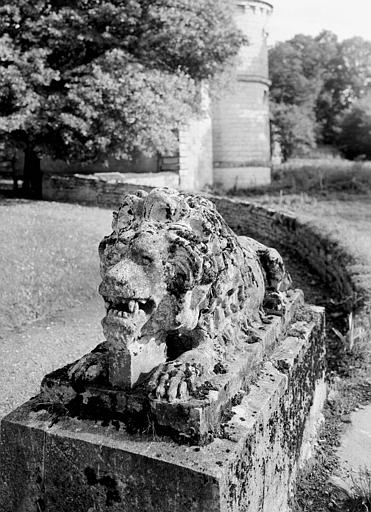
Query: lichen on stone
[{"x": 181, "y": 290}]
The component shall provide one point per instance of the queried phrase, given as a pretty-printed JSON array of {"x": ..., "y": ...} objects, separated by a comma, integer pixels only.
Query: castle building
[
  {"x": 240, "y": 119},
  {"x": 230, "y": 146}
]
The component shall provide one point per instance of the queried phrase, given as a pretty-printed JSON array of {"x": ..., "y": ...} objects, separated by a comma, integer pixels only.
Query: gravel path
[
  {"x": 355, "y": 449},
  {"x": 28, "y": 354}
]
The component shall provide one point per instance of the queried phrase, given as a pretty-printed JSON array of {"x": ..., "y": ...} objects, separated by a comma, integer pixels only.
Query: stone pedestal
[{"x": 58, "y": 464}]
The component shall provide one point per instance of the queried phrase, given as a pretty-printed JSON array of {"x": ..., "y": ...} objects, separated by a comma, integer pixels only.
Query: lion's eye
[
  {"x": 120, "y": 247},
  {"x": 146, "y": 260},
  {"x": 112, "y": 256}
]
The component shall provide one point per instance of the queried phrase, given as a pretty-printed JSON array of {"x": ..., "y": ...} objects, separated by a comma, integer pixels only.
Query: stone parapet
[
  {"x": 97, "y": 190},
  {"x": 322, "y": 252},
  {"x": 70, "y": 465}
]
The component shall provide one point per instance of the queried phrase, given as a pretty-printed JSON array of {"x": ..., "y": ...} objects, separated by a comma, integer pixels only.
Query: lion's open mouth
[{"x": 126, "y": 308}]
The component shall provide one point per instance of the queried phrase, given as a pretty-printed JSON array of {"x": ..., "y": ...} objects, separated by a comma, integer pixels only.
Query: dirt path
[
  {"x": 355, "y": 449},
  {"x": 28, "y": 354}
]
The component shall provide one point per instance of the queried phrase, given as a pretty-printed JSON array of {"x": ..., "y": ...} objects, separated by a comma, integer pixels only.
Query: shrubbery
[{"x": 354, "y": 138}]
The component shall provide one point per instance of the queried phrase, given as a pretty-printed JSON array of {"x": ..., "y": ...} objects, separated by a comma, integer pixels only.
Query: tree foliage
[
  {"x": 294, "y": 129},
  {"x": 322, "y": 76},
  {"x": 294, "y": 71},
  {"x": 84, "y": 78},
  {"x": 355, "y": 131}
]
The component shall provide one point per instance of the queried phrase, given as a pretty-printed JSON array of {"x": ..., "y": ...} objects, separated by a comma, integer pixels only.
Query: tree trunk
[
  {"x": 14, "y": 174},
  {"x": 32, "y": 175}
]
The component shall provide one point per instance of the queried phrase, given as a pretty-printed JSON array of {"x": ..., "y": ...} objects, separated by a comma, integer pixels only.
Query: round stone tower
[{"x": 241, "y": 135}]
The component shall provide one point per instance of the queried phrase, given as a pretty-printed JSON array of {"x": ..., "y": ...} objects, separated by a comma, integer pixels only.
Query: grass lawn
[
  {"x": 48, "y": 258},
  {"x": 320, "y": 177},
  {"x": 347, "y": 218}
]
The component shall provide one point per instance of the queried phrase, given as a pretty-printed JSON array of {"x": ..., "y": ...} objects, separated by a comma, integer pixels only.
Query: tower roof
[{"x": 269, "y": 4}]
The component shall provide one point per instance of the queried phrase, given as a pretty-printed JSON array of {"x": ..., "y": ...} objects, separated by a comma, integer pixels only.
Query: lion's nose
[{"x": 125, "y": 279}]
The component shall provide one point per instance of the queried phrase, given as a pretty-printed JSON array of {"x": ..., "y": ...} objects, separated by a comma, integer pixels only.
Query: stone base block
[
  {"x": 59, "y": 464},
  {"x": 194, "y": 420}
]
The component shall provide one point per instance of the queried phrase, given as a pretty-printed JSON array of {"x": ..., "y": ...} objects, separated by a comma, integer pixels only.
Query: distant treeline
[{"x": 321, "y": 94}]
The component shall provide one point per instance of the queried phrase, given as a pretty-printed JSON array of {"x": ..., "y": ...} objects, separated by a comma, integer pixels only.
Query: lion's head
[{"x": 171, "y": 269}]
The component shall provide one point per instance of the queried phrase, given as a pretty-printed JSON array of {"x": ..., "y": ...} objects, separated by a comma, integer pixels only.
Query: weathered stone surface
[
  {"x": 186, "y": 302},
  {"x": 73, "y": 465},
  {"x": 195, "y": 419}
]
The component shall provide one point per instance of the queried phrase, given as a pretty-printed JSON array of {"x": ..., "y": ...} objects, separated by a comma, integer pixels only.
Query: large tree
[
  {"x": 295, "y": 71},
  {"x": 85, "y": 78}
]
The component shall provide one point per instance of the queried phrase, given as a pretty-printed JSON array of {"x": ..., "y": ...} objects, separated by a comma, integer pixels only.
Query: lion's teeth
[
  {"x": 131, "y": 305},
  {"x": 136, "y": 308}
]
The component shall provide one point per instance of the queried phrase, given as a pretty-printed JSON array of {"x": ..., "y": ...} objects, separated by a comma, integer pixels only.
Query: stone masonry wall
[
  {"x": 85, "y": 190},
  {"x": 241, "y": 126},
  {"x": 195, "y": 153},
  {"x": 252, "y": 17},
  {"x": 323, "y": 253}
]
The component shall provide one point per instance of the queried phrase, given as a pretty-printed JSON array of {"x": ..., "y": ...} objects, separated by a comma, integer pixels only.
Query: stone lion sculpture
[{"x": 181, "y": 290}]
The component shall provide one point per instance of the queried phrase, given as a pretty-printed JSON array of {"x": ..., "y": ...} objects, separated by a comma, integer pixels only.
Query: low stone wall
[
  {"x": 348, "y": 279},
  {"x": 322, "y": 252},
  {"x": 97, "y": 190}
]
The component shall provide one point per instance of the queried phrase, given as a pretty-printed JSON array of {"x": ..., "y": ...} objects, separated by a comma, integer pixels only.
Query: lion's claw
[
  {"x": 175, "y": 381},
  {"x": 88, "y": 369}
]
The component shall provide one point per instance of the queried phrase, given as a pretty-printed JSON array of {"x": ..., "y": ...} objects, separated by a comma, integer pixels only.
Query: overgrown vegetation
[
  {"x": 355, "y": 497},
  {"x": 317, "y": 177},
  {"x": 354, "y": 138}
]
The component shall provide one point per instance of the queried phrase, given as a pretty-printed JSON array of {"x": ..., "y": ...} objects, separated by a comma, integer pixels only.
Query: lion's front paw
[
  {"x": 175, "y": 381},
  {"x": 88, "y": 369}
]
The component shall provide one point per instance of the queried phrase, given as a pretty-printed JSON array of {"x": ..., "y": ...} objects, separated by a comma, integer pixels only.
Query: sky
[{"x": 343, "y": 17}]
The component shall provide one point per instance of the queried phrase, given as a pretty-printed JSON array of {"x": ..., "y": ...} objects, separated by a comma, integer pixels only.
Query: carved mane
[{"x": 204, "y": 254}]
